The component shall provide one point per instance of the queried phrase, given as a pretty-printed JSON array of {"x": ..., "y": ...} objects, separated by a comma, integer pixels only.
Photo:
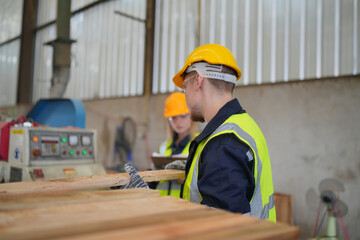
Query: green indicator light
[
  {"x": 84, "y": 152},
  {"x": 71, "y": 152},
  {"x": 63, "y": 139}
]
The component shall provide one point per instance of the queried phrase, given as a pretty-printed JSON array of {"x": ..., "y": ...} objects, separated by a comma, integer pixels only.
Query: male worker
[{"x": 228, "y": 165}]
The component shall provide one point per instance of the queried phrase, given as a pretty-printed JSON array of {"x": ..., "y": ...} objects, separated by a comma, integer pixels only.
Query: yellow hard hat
[
  {"x": 211, "y": 53},
  {"x": 175, "y": 105}
]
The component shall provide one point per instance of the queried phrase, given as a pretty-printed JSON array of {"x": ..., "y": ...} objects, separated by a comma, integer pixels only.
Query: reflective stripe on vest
[
  {"x": 165, "y": 148},
  {"x": 163, "y": 187},
  {"x": 256, "y": 204}
]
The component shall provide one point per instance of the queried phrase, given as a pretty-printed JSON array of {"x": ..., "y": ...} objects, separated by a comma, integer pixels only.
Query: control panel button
[
  {"x": 38, "y": 173},
  {"x": 36, "y": 152},
  {"x": 73, "y": 140},
  {"x": 85, "y": 140}
]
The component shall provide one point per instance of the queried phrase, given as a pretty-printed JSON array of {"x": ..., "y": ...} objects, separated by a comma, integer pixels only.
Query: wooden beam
[
  {"x": 26, "y": 61},
  {"x": 41, "y": 201},
  {"x": 190, "y": 228},
  {"x": 83, "y": 183},
  {"x": 71, "y": 219},
  {"x": 283, "y": 205},
  {"x": 136, "y": 218}
]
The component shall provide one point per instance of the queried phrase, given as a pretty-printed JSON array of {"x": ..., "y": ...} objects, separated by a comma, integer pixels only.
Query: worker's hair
[{"x": 222, "y": 85}]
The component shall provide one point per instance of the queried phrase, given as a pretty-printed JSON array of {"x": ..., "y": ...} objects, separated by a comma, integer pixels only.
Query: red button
[
  {"x": 78, "y": 152},
  {"x": 64, "y": 152},
  {"x": 90, "y": 152},
  {"x": 36, "y": 152},
  {"x": 38, "y": 173}
]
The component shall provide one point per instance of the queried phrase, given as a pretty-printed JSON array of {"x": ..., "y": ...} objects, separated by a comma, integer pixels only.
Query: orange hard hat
[{"x": 175, "y": 105}]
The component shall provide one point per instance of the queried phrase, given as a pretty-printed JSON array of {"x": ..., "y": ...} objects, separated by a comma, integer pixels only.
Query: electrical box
[{"x": 43, "y": 153}]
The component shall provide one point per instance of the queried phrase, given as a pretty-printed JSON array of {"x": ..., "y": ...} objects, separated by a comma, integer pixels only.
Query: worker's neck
[{"x": 214, "y": 102}]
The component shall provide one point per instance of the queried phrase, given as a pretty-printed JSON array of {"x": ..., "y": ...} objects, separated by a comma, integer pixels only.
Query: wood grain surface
[
  {"x": 44, "y": 200},
  {"x": 133, "y": 214},
  {"x": 120, "y": 214},
  {"x": 83, "y": 183}
]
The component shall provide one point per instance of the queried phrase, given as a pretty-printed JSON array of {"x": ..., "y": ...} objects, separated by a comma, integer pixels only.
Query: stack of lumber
[{"x": 119, "y": 214}]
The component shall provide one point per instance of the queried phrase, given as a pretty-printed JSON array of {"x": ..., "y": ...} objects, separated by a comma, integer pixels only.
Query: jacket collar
[
  {"x": 230, "y": 108},
  {"x": 182, "y": 143}
]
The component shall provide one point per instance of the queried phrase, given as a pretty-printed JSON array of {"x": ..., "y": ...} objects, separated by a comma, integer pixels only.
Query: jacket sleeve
[{"x": 226, "y": 177}]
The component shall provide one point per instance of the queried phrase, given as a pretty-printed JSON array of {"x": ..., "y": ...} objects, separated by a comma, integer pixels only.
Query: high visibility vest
[
  {"x": 173, "y": 185},
  {"x": 166, "y": 150},
  {"x": 262, "y": 203}
]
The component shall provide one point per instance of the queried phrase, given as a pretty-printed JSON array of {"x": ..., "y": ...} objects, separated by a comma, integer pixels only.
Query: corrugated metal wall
[
  {"x": 108, "y": 56},
  {"x": 108, "y": 62},
  {"x": 10, "y": 19},
  {"x": 176, "y": 35},
  {"x": 43, "y": 62},
  {"x": 272, "y": 40},
  {"x": 46, "y": 11},
  {"x": 10, "y": 30}
]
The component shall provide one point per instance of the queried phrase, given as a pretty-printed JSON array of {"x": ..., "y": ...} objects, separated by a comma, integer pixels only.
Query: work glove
[
  {"x": 177, "y": 164},
  {"x": 135, "y": 180}
]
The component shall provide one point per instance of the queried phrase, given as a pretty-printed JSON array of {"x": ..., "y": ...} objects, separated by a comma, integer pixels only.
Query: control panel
[
  {"x": 42, "y": 153},
  {"x": 38, "y": 146},
  {"x": 45, "y": 145}
]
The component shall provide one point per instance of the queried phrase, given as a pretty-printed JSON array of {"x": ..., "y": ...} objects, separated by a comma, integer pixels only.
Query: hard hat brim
[{"x": 178, "y": 79}]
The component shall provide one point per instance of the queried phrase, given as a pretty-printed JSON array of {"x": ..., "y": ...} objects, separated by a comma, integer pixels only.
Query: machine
[{"x": 41, "y": 153}]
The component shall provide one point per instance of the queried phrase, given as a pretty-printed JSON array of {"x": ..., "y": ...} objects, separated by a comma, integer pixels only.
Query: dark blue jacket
[{"x": 226, "y": 178}]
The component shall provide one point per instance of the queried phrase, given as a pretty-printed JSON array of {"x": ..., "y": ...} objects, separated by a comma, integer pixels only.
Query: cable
[
  {"x": 339, "y": 218},
  {"x": 317, "y": 218},
  {"x": 322, "y": 221},
  {"x": 343, "y": 227}
]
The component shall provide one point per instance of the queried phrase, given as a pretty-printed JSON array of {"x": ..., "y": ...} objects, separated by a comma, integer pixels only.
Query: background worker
[
  {"x": 228, "y": 166},
  {"x": 182, "y": 130}
]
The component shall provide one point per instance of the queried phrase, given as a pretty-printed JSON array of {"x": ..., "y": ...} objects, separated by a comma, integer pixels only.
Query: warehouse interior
[{"x": 300, "y": 63}]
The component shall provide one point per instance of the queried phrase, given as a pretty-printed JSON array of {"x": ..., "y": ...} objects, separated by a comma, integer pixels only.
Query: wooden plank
[
  {"x": 124, "y": 224},
  {"x": 67, "y": 216},
  {"x": 283, "y": 205},
  {"x": 40, "y": 201},
  {"x": 154, "y": 218},
  {"x": 83, "y": 183},
  {"x": 55, "y": 221},
  {"x": 226, "y": 226},
  {"x": 121, "y": 214},
  {"x": 258, "y": 231}
]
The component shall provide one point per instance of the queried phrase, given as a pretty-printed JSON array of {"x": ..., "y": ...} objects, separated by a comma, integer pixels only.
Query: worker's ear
[{"x": 199, "y": 81}]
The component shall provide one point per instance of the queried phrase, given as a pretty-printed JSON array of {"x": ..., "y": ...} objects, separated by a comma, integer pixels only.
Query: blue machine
[{"x": 59, "y": 113}]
